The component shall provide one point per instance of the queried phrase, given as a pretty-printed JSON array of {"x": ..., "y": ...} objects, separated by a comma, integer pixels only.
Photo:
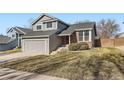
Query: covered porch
[
  {"x": 80, "y": 32},
  {"x": 77, "y": 37},
  {"x": 69, "y": 38}
]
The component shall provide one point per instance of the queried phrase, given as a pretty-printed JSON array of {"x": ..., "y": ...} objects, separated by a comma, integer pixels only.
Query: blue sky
[{"x": 8, "y": 20}]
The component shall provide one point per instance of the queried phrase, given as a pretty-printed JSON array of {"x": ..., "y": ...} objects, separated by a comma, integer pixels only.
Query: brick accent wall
[
  {"x": 73, "y": 38},
  {"x": 65, "y": 40}
]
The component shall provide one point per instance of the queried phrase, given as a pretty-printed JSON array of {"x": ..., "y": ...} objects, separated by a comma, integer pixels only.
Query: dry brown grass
[
  {"x": 10, "y": 51},
  {"x": 96, "y": 64}
]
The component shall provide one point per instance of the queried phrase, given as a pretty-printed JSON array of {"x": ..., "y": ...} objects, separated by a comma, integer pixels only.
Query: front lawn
[{"x": 101, "y": 63}]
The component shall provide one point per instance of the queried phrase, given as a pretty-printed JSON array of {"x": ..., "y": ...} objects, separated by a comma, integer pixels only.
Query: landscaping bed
[{"x": 95, "y": 64}]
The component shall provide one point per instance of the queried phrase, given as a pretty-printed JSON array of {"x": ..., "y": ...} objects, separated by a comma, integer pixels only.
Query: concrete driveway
[{"x": 16, "y": 56}]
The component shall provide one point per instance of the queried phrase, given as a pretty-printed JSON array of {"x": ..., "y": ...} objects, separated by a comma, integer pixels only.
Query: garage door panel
[{"x": 35, "y": 46}]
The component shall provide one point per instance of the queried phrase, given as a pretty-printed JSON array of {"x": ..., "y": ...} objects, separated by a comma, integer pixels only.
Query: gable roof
[
  {"x": 20, "y": 30},
  {"x": 54, "y": 18},
  {"x": 68, "y": 31},
  {"x": 77, "y": 27},
  {"x": 4, "y": 39},
  {"x": 25, "y": 30},
  {"x": 40, "y": 33},
  {"x": 17, "y": 30}
]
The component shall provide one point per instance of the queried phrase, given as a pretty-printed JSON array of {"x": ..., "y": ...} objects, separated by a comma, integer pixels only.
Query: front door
[{"x": 65, "y": 40}]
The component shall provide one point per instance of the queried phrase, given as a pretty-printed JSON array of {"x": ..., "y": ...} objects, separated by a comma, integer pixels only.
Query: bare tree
[{"x": 107, "y": 28}]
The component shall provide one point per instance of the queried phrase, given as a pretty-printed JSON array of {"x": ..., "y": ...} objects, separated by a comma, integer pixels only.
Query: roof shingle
[
  {"x": 25, "y": 30},
  {"x": 40, "y": 33},
  {"x": 21, "y": 30},
  {"x": 72, "y": 28}
]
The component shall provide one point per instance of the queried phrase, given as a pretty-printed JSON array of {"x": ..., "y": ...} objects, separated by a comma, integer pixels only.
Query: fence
[{"x": 110, "y": 42}]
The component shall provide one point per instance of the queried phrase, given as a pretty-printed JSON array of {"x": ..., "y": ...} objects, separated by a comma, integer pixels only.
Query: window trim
[
  {"x": 40, "y": 27},
  {"x": 47, "y": 26},
  {"x": 80, "y": 36},
  {"x": 87, "y": 36},
  {"x": 83, "y": 36}
]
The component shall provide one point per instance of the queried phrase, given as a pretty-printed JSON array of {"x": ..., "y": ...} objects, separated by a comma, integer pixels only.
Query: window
[
  {"x": 39, "y": 27},
  {"x": 13, "y": 35},
  {"x": 49, "y": 24},
  {"x": 86, "y": 35},
  {"x": 83, "y": 36}
]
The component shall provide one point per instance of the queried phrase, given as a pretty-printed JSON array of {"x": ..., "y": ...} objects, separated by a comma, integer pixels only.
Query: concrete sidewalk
[{"x": 10, "y": 74}]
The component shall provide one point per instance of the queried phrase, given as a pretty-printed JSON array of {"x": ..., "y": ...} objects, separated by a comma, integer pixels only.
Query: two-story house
[{"x": 48, "y": 33}]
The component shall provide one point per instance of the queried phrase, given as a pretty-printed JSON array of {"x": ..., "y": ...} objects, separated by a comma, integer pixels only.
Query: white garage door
[{"x": 36, "y": 46}]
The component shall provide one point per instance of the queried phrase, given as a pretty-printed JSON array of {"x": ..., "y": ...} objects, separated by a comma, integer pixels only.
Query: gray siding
[
  {"x": 41, "y": 22},
  {"x": 10, "y": 33},
  {"x": 19, "y": 42},
  {"x": 44, "y": 18},
  {"x": 54, "y": 42},
  {"x": 54, "y": 26},
  {"x": 8, "y": 46},
  {"x": 61, "y": 26}
]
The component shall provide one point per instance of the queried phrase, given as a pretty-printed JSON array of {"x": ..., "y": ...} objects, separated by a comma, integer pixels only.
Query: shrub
[
  {"x": 78, "y": 46},
  {"x": 74, "y": 46},
  {"x": 84, "y": 46}
]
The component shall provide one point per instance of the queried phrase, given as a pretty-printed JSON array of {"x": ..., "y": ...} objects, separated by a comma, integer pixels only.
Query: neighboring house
[
  {"x": 49, "y": 33},
  {"x": 15, "y": 33},
  {"x": 6, "y": 43},
  {"x": 120, "y": 35},
  {"x": 13, "y": 38}
]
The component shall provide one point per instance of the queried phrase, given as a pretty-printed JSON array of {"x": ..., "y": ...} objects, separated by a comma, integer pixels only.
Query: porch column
[{"x": 69, "y": 40}]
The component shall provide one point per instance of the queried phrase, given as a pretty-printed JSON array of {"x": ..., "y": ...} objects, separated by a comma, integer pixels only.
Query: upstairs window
[
  {"x": 39, "y": 27},
  {"x": 49, "y": 24}
]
